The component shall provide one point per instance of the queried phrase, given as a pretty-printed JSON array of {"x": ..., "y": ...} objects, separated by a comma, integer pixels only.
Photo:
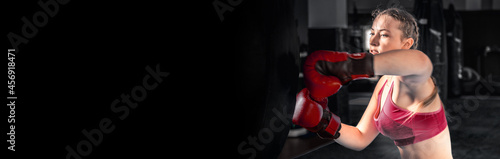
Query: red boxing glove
[
  {"x": 315, "y": 117},
  {"x": 326, "y": 71}
]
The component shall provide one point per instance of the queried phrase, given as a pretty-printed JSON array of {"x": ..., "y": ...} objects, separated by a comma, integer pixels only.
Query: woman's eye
[
  {"x": 384, "y": 35},
  {"x": 371, "y": 34}
]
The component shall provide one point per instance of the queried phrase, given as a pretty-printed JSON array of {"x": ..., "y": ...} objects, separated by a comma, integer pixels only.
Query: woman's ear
[{"x": 407, "y": 43}]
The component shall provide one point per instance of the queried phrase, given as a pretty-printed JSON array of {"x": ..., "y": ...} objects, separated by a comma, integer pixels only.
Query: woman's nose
[{"x": 374, "y": 40}]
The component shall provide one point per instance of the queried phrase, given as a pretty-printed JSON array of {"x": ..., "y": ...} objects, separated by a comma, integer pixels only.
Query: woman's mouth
[{"x": 374, "y": 52}]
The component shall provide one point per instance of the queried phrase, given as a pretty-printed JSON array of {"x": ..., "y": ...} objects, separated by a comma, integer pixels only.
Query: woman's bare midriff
[{"x": 438, "y": 147}]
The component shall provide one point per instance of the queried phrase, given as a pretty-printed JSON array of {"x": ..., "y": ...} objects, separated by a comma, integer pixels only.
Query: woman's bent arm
[
  {"x": 413, "y": 65},
  {"x": 357, "y": 138}
]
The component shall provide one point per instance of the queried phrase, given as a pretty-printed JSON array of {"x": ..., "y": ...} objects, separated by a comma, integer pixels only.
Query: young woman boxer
[{"x": 405, "y": 105}]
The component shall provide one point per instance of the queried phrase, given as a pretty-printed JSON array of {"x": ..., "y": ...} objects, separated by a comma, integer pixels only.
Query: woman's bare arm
[
  {"x": 357, "y": 138},
  {"x": 413, "y": 65}
]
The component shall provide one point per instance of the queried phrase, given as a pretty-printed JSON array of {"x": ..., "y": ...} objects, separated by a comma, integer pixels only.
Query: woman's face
[{"x": 386, "y": 35}]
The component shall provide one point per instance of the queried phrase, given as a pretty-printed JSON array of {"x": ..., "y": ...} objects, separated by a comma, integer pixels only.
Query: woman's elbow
[
  {"x": 421, "y": 68},
  {"x": 425, "y": 64}
]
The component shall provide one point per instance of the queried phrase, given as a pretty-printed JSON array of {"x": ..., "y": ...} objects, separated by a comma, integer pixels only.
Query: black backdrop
[{"x": 223, "y": 80}]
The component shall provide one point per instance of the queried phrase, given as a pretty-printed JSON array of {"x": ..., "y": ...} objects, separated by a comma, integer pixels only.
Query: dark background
[
  {"x": 91, "y": 52},
  {"x": 226, "y": 77}
]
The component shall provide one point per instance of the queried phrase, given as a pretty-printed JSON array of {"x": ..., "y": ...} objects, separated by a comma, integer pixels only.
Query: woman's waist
[{"x": 438, "y": 146}]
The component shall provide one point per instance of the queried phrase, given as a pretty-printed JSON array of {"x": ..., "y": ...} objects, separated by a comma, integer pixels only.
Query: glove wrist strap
[
  {"x": 362, "y": 65},
  {"x": 329, "y": 126}
]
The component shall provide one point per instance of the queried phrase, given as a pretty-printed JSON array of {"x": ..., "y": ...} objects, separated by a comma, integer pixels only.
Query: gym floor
[{"x": 474, "y": 136}]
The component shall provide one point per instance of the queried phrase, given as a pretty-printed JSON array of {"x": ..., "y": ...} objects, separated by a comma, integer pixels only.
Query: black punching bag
[
  {"x": 455, "y": 55},
  {"x": 432, "y": 40},
  {"x": 262, "y": 54}
]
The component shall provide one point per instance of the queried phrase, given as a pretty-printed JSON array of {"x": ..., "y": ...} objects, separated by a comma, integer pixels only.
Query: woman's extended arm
[{"x": 413, "y": 65}]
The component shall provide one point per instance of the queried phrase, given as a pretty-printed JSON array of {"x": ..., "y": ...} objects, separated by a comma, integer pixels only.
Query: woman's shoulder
[{"x": 381, "y": 82}]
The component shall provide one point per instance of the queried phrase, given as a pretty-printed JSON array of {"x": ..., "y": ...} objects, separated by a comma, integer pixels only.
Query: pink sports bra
[{"x": 394, "y": 122}]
